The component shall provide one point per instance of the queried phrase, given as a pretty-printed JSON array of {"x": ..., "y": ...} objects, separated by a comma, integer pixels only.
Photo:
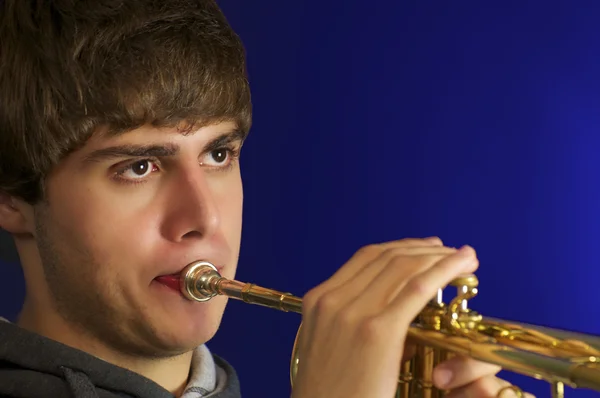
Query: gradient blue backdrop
[{"x": 468, "y": 120}]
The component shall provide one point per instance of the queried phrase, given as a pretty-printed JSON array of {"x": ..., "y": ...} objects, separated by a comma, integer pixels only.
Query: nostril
[{"x": 192, "y": 235}]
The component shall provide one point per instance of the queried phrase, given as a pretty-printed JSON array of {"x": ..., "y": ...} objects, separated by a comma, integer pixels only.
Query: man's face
[{"x": 124, "y": 210}]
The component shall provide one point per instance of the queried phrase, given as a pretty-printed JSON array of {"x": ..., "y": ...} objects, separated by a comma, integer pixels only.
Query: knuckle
[
  {"x": 372, "y": 329},
  {"x": 419, "y": 287},
  {"x": 435, "y": 240},
  {"x": 369, "y": 250},
  {"x": 325, "y": 304},
  {"x": 310, "y": 300},
  {"x": 348, "y": 317}
]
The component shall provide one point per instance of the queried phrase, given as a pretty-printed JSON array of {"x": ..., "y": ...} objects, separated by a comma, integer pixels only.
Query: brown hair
[{"x": 71, "y": 67}]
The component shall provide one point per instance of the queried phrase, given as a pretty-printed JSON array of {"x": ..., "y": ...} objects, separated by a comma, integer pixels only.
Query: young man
[{"x": 121, "y": 123}]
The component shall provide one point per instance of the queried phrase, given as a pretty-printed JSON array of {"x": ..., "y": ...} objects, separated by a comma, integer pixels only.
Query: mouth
[
  {"x": 170, "y": 281},
  {"x": 173, "y": 281}
]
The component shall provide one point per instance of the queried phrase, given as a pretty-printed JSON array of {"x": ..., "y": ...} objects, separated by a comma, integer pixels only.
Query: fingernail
[
  {"x": 466, "y": 251},
  {"x": 433, "y": 239},
  {"x": 442, "y": 377}
]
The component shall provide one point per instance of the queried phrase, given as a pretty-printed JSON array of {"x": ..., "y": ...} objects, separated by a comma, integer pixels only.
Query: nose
[{"x": 192, "y": 210}]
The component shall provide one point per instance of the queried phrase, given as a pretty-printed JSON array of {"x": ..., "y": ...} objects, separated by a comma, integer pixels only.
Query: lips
[{"x": 171, "y": 281}]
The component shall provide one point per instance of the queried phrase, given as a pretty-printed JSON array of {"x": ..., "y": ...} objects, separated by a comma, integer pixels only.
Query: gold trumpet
[{"x": 441, "y": 330}]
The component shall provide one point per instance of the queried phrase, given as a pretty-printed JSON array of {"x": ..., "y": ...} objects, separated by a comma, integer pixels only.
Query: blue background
[{"x": 471, "y": 120}]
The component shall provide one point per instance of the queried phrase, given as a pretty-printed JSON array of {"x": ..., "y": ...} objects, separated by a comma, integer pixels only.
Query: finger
[
  {"x": 415, "y": 295},
  {"x": 487, "y": 387},
  {"x": 369, "y": 291},
  {"x": 410, "y": 350},
  {"x": 365, "y": 257},
  {"x": 395, "y": 255},
  {"x": 391, "y": 260},
  {"x": 384, "y": 282},
  {"x": 459, "y": 371},
  {"x": 328, "y": 302},
  {"x": 392, "y": 254},
  {"x": 369, "y": 253}
]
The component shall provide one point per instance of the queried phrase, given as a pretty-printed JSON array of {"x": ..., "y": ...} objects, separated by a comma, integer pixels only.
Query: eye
[
  {"x": 219, "y": 158},
  {"x": 137, "y": 170},
  {"x": 220, "y": 155}
]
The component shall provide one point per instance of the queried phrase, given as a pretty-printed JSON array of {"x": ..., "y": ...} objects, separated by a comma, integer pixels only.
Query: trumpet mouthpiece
[{"x": 195, "y": 281}]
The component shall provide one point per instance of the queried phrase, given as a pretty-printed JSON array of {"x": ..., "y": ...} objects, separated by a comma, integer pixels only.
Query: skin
[
  {"x": 91, "y": 253},
  {"x": 354, "y": 333},
  {"x": 109, "y": 226}
]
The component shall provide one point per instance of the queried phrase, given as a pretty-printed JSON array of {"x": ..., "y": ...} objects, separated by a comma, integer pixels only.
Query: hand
[
  {"x": 355, "y": 323},
  {"x": 468, "y": 378}
]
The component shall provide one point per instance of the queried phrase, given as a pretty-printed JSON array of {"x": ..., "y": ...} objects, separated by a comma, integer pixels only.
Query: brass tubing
[{"x": 529, "y": 350}]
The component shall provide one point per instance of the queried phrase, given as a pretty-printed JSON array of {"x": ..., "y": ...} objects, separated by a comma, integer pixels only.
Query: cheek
[
  {"x": 117, "y": 226},
  {"x": 108, "y": 225},
  {"x": 230, "y": 205}
]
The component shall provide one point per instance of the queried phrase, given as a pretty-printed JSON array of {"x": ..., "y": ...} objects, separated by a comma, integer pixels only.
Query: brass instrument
[{"x": 441, "y": 330}]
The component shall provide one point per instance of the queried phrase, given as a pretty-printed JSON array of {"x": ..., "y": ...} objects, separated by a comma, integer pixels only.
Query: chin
[{"x": 185, "y": 329}]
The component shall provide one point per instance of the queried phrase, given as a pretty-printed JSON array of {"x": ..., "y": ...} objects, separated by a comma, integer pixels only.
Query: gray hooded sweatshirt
[{"x": 33, "y": 366}]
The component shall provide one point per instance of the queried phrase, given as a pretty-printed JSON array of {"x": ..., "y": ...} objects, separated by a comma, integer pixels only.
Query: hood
[{"x": 34, "y": 366}]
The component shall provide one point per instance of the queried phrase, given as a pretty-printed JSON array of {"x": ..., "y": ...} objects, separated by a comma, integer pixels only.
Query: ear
[{"x": 15, "y": 215}]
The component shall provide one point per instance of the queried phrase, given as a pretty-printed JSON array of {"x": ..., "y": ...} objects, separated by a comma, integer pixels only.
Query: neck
[{"x": 170, "y": 373}]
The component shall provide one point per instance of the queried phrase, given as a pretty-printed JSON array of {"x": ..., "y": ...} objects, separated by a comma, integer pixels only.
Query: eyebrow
[
  {"x": 121, "y": 151},
  {"x": 163, "y": 150},
  {"x": 225, "y": 139}
]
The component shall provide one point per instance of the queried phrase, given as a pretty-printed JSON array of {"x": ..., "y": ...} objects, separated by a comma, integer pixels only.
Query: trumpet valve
[
  {"x": 458, "y": 316},
  {"x": 466, "y": 288}
]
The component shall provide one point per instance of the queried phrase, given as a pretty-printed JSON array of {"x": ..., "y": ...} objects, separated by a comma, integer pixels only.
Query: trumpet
[{"x": 561, "y": 358}]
